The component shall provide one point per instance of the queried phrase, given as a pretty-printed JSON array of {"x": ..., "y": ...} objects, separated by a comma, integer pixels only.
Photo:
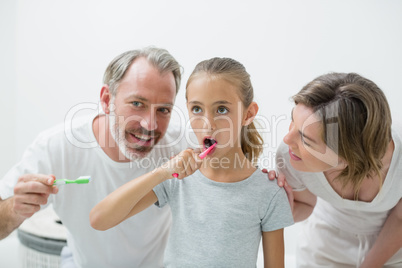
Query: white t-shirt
[
  {"x": 357, "y": 216},
  {"x": 69, "y": 151}
]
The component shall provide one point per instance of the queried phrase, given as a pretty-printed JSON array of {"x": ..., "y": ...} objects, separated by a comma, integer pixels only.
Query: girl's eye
[
  {"x": 222, "y": 110},
  {"x": 137, "y": 104},
  {"x": 196, "y": 110}
]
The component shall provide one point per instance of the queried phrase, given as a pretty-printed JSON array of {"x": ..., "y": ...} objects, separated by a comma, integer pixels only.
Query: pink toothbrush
[{"x": 201, "y": 155}]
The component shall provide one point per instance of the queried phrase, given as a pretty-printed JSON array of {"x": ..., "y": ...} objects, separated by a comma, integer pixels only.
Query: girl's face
[
  {"x": 307, "y": 150},
  {"x": 216, "y": 113}
]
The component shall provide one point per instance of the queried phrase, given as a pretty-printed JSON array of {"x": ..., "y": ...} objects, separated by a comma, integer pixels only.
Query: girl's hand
[{"x": 184, "y": 164}]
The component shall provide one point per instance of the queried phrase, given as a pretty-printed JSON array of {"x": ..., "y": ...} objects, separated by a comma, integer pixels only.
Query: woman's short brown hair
[{"x": 362, "y": 117}]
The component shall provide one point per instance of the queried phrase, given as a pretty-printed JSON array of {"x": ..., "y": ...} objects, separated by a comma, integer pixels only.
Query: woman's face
[{"x": 307, "y": 150}]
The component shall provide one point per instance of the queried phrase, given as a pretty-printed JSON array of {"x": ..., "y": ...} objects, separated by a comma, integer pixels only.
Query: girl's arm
[
  {"x": 127, "y": 200},
  {"x": 388, "y": 242},
  {"x": 302, "y": 203},
  {"x": 137, "y": 195},
  {"x": 274, "y": 249}
]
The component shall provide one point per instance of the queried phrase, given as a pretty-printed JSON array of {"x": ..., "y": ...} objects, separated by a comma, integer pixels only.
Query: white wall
[
  {"x": 53, "y": 53},
  {"x": 63, "y": 48},
  {"x": 8, "y": 118}
]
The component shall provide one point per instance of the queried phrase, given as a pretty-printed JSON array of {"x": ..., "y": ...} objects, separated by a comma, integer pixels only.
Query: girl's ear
[
  {"x": 105, "y": 97},
  {"x": 251, "y": 112}
]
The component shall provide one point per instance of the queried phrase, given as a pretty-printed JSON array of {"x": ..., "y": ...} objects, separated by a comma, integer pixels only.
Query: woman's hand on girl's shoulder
[{"x": 281, "y": 180}]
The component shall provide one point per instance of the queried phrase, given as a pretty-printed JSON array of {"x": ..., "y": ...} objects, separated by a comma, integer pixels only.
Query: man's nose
[{"x": 149, "y": 122}]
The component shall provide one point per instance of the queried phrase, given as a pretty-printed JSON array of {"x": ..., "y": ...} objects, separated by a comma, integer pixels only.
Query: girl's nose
[{"x": 209, "y": 123}]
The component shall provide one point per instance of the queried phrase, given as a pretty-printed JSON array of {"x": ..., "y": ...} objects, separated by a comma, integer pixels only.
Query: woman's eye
[
  {"x": 196, "y": 110},
  {"x": 137, "y": 104},
  {"x": 304, "y": 141},
  {"x": 222, "y": 110}
]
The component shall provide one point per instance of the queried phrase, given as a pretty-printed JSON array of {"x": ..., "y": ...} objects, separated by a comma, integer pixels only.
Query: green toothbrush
[{"x": 80, "y": 180}]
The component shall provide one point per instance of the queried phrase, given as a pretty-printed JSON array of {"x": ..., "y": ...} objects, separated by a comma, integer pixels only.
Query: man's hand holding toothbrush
[{"x": 30, "y": 192}]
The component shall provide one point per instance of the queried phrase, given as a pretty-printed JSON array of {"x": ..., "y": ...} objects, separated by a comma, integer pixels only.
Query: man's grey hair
[{"x": 158, "y": 57}]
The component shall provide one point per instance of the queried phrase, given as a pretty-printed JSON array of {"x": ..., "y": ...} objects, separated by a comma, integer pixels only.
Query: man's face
[{"x": 141, "y": 110}]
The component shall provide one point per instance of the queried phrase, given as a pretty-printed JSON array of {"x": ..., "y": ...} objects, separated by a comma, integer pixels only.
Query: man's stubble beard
[{"x": 119, "y": 137}]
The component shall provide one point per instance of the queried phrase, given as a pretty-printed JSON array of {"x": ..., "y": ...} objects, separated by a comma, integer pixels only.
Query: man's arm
[
  {"x": 30, "y": 192},
  {"x": 388, "y": 242},
  {"x": 9, "y": 220}
]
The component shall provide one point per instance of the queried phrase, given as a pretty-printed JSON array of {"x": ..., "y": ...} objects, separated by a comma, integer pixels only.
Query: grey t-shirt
[{"x": 219, "y": 224}]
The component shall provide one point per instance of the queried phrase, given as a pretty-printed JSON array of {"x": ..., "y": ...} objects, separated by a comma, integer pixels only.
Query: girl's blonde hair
[
  {"x": 235, "y": 73},
  {"x": 359, "y": 110}
]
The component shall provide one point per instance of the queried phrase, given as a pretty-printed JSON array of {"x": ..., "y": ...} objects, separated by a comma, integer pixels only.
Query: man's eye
[
  {"x": 164, "y": 110},
  {"x": 222, "y": 110},
  {"x": 196, "y": 110},
  {"x": 137, "y": 104}
]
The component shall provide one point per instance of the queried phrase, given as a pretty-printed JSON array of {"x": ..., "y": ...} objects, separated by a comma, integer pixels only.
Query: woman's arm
[
  {"x": 304, "y": 203},
  {"x": 388, "y": 242},
  {"x": 274, "y": 249}
]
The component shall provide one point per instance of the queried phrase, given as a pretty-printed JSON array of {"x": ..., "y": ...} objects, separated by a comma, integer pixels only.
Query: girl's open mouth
[{"x": 208, "y": 142}]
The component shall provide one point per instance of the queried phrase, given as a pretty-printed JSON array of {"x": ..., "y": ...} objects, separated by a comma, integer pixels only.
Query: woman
[{"x": 343, "y": 161}]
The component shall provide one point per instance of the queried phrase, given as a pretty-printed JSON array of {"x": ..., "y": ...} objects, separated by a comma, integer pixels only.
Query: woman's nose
[{"x": 289, "y": 138}]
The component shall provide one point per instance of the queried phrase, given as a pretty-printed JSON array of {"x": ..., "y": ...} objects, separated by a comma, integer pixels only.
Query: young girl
[{"x": 222, "y": 205}]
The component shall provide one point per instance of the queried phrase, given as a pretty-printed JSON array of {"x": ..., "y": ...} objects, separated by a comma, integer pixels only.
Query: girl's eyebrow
[
  {"x": 222, "y": 102},
  {"x": 216, "y": 102},
  {"x": 195, "y": 102}
]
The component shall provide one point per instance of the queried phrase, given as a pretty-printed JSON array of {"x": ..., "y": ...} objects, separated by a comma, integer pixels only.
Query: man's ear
[
  {"x": 105, "y": 97},
  {"x": 251, "y": 112}
]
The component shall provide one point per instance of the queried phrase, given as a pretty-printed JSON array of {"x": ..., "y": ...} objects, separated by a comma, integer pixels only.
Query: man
[{"x": 137, "y": 98}]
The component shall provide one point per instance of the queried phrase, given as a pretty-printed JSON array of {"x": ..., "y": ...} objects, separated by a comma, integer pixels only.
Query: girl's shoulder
[{"x": 262, "y": 183}]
